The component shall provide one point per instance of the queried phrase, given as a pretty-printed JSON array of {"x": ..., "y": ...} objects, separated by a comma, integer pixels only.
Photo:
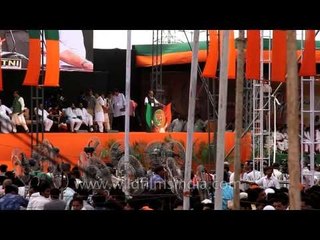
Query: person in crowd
[
  {"x": 39, "y": 199},
  {"x": 18, "y": 108},
  {"x": 268, "y": 181},
  {"x": 5, "y": 121},
  {"x": 55, "y": 203},
  {"x": 11, "y": 200}
]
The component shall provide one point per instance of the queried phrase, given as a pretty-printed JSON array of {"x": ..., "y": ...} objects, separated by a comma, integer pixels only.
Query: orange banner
[
  {"x": 279, "y": 56},
  {"x": 253, "y": 55},
  {"x": 33, "y": 70},
  {"x": 232, "y": 57},
  {"x": 308, "y": 62},
  {"x": 210, "y": 69}
]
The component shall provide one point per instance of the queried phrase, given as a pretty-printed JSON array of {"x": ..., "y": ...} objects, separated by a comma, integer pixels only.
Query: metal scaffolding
[
  {"x": 261, "y": 107},
  {"x": 308, "y": 139},
  {"x": 156, "y": 70}
]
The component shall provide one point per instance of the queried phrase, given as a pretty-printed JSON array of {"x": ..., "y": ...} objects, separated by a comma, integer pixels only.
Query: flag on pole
[
  {"x": 167, "y": 113},
  {"x": 33, "y": 69},
  {"x": 52, "y": 59}
]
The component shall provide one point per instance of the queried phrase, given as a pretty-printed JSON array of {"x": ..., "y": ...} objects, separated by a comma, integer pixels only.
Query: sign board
[{"x": 11, "y": 63}]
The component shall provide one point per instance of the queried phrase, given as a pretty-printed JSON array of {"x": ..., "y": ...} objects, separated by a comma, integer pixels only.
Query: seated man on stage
[
  {"x": 86, "y": 117},
  {"x": 46, "y": 121},
  {"x": 72, "y": 119}
]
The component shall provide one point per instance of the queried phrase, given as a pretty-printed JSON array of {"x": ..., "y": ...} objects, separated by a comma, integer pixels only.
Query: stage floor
[{"x": 71, "y": 144}]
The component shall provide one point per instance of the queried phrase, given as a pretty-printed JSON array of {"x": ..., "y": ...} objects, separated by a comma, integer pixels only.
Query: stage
[{"x": 71, "y": 144}]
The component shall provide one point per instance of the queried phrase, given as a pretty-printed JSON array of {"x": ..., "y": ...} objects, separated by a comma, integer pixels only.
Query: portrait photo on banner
[{"x": 75, "y": 48}]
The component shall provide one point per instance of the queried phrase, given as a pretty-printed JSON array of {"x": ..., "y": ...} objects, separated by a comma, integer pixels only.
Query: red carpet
[{"x": 71, "y": 144}]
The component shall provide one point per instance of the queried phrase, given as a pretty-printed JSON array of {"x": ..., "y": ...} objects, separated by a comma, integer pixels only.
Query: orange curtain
[
  {"x": 253, "y": 54},
  {"x": 308, "y": 63},
  {"x": 279, "y": 56},
  {"x": 33, "y": 70},
  {"x": 210, "y": 68},
  {"x": 232, "y": 57}
]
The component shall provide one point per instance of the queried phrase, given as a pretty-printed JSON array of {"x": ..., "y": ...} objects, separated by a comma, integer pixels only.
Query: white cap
[
  {"x": 206, "y": 201},
  {"x": 269, "y": 207},
  {"x": 243, "y": 195},
  {"x": 269, "y": 190}
]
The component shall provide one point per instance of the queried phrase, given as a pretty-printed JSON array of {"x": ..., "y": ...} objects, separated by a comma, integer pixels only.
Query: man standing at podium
[{"x": 151, "y": 102}]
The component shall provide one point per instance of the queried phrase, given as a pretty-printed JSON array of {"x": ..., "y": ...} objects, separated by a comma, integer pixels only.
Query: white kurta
[
  {"x": 98, "y": 111},
  {"x": 47, "y": 122},
  {"x": 85, "y": 116},
  {"x": 118, "y": 103},
  {"x": 18, "y": 118}
]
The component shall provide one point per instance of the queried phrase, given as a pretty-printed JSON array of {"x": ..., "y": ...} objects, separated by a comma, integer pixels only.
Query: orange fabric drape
[
  {"x": 232, "y": 57},
  {"x": 33, "y": 70},
  {"x": 253, "y": 55},
  {"x": 308, "y": 62},
  {"x": 279, "y": 56},
  {"x": 53, "y": 69},
  {"x": 210, "y": 69}
]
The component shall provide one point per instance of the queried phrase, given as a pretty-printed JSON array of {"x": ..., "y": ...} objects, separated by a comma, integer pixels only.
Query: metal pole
[
  {"x": 311, "y": 124},
  {"x": 127, "y": 116},
  {"x": 223, "y": 93},
  {"x": 292, "y": 121},
  {"x": 238, "y": 122},
  {"x": 274, "y": 129},
  {"x": 190, "y": 123}
]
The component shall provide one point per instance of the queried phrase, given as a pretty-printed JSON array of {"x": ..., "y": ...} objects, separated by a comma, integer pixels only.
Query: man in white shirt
[
  {"x": 98, "y": 112},
  {"x": 119, "y": 107},
  {"x": 5, "y": 121},
  {"x": 86, "y": 117},
  {"x": 72, "y": 119},
  {"x": 39, "y": 199},
  {"x": 177, "y": 125},
  {"x": 269, "y": 180},
  {"x": 46, "y": 121}
]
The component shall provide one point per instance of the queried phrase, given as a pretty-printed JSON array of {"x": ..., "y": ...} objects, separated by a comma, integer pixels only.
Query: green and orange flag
[{"x": 52, "y": 59}]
